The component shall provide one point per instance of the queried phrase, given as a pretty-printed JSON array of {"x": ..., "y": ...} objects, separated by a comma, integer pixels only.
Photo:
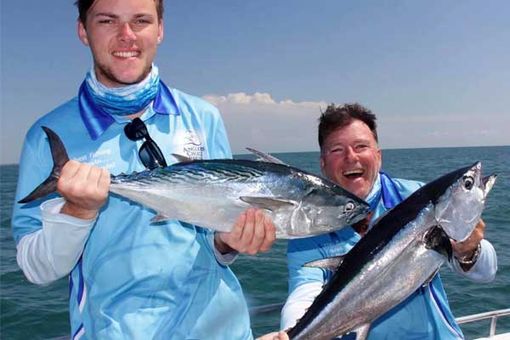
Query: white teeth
[
  {"x": 126, "y": 54},
  {"x": 353, "y": 172}
]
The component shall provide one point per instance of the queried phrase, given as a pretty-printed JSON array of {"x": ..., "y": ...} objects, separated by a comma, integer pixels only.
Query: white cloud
[
  {"x": 241, "y": 98},
  {"x": 259, "y": 121}
]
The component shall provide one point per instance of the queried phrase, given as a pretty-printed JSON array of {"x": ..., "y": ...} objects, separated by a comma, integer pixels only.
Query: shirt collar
[
  {"x": 97, "y": 121},
  {"x": 375, "y": 194}
]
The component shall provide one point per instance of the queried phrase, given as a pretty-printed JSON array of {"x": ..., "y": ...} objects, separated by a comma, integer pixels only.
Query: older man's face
[{"x": 351, "y": 158}]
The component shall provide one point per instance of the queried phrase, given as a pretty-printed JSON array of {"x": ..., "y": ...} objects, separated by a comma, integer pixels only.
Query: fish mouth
[{"x": 488, "y": 183}]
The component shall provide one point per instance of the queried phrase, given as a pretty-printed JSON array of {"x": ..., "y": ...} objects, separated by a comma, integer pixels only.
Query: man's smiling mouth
[
  {"x": 352, "y": 174},
  {"x": 126, "y": 54}
]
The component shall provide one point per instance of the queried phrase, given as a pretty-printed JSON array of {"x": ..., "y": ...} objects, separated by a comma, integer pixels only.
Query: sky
[{"x": 436, "y": 73}]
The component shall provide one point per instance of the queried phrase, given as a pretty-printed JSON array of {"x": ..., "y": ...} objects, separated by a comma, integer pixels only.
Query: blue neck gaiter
[{"x": 126, "y": 100}]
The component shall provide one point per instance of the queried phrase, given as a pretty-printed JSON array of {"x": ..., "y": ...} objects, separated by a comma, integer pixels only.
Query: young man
[
  {"x": 350, "y": 156},
  {"x": 130, "y": 279}
]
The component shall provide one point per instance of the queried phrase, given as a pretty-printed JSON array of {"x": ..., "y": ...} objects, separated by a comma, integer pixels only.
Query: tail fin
[{"x": 59, "y": 155}]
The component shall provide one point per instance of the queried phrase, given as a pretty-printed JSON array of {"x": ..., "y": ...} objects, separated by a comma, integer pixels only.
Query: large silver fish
[
  {"x": 402, "y": 251},
  {"x": 213, "y": 194}
]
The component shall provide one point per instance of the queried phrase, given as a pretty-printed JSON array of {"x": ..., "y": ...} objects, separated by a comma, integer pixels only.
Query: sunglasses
[{"x": 150, "y": 154}]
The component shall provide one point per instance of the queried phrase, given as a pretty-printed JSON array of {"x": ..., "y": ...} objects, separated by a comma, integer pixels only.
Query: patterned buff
[{"x": 126, "y": 100}]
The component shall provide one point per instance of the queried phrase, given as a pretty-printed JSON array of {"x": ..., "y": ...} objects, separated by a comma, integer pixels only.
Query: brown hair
[
  {"x": 336, "y": 117},
  {"x": 84, "y": 5}
]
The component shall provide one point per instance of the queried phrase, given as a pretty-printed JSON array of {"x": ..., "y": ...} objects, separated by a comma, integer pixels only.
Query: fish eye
[
  {"x": 349, "y": 207},
  {"x": 468, "y": 182}
]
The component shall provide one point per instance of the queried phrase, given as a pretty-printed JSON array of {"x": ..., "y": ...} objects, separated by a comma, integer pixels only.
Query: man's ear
[
  {"x": 321, "y": 161},
  {"x": 161, "y": 31},
  {"x": 379, "y": 151},
  {"x": 82, "y": 32}
]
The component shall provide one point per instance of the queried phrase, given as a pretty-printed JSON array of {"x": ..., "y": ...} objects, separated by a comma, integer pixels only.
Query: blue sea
[{"x": 33, "y": 312}]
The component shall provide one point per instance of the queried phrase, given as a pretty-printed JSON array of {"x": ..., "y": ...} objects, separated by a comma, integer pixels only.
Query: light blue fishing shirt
[
  {"x": 137, "y": 280},
  {"x": 424, "y": 315}
]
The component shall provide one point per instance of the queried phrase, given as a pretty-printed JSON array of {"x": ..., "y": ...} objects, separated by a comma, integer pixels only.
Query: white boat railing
[{"x": 492, "y": 315}]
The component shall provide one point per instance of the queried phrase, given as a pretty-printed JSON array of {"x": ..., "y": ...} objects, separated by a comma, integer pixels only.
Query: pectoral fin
[
  {"x": 269, "y": 203},
  {"x": 330, "y": 263}
]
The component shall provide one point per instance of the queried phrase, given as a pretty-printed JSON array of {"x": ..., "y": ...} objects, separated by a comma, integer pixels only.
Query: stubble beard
[{"x": 108, "y": 74}]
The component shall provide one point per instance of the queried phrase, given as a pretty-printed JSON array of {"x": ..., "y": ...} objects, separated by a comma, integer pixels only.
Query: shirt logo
[{"x": 193, "y": 147}]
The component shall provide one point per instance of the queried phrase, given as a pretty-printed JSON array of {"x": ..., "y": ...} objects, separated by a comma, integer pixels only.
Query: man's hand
[
  {"x": 361, "y": 227},
  {"x": 281, "y": 335},
  {"x": 85, "y": 189},
  {"x": 253, "y": 232},
  {"x": 467, "y": 248}
]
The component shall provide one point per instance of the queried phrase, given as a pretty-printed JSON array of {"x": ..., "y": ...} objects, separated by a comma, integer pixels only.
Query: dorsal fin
[
  {"x": 266, "y": 157},
  {"x": 182, "y": 158}
]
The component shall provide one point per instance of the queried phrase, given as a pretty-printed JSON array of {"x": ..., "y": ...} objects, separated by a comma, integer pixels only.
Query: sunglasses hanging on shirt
[{"x": 150, "y": 154}]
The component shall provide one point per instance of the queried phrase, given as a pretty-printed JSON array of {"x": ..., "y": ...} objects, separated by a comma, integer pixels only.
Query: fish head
[
  {"x": 334, "y": 209},
  {"x": 459, "y": 209}
]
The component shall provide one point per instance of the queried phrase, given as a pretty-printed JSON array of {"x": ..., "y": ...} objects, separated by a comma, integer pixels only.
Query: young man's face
[
  {"x": 351, "y": 158},
  {"x": 123, "y": 36}
]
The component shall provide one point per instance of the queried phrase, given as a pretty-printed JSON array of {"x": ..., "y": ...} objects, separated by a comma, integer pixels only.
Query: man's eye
[
  {"x": 336, "y": 150},
  {"x": 142, "y": 21}
]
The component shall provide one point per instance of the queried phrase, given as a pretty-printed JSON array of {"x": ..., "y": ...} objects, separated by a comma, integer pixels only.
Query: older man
[{"x": 350, "y": 156}]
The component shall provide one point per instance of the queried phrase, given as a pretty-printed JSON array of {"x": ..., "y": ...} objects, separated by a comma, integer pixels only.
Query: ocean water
[{"x": 28, "y": 311}]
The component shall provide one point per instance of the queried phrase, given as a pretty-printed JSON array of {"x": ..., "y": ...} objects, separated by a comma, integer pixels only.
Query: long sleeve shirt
[{"x": 130, "y": 278}]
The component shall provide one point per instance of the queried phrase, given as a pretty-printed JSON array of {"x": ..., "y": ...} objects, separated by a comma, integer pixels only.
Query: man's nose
[
  {"x": 350, "y": 154},
  {"x": 126, "y": 33}
]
